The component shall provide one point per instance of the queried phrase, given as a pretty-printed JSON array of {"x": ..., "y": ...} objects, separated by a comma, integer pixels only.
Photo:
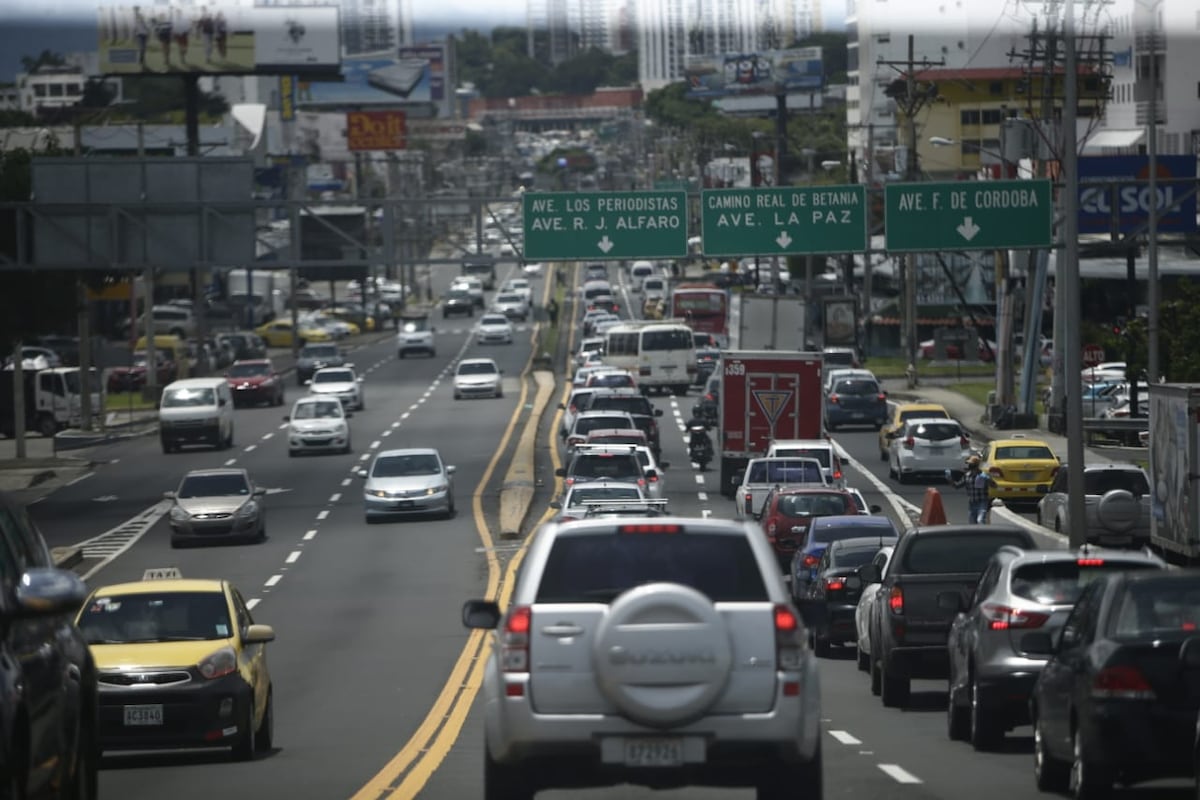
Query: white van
[
  {"x": 196, "y": 411},
  {"x": 661, "y": 354},
  {"x": 639, "y": 272}
]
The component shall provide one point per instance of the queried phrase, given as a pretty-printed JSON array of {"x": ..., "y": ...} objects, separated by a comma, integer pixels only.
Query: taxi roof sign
[{"x": 162, "y": 574}]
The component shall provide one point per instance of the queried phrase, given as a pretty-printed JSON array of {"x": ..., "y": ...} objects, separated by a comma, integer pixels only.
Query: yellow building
[{"x": 958, "y": 130}]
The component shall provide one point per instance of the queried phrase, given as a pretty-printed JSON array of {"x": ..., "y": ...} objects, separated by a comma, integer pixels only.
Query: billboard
[
  {"x": 417, "y": 78},
  {"x": 223, "y": 37},
  {"x": 375, "y": 130},
  {"x": 840, "y": 322},
  {"x": 767, "y": 72},
  {"x": 1096, "y": 212}
]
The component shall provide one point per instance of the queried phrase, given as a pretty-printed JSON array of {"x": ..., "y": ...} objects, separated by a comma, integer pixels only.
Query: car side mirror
[
  {"x": 308, "y": 382},
  {"x": 949, "y": 601},
  {"x": 362, "y": 473},
  {"x": 287, "y": 418},
  {"x": 658, "y": 412},
  {"x": 482, "y": 614},
  {"x": 561, "y": 472},
  {"x": 46, "y": 591},
  {"x": 875, "y": 508},
  {"x": 169, "y": 495},
  {"x": 258, "y": 634},
  {"x": 1038, "y": 644},
  {"x": 451, "y": 469},
  {"x": 555, "y": 504}
]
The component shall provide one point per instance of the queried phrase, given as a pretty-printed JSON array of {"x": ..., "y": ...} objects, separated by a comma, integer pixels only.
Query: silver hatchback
[
  {"x": 1021, "y": 591},
  {"x": 410, "y": 481}
]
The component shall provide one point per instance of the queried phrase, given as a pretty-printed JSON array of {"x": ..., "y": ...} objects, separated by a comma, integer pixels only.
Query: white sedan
[
  {"x": 339, "y": 382},
  {"x": 862, "y": 612},
  {"x": 520, "y": 286},
  {"x": 494, "y": 329}
]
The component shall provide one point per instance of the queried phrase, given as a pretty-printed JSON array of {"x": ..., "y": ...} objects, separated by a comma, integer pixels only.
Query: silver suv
[
  {"x": 1116, "y": 499},
  {"x": 655, "y": 651},
  {"x": 1020, "y": 591}
]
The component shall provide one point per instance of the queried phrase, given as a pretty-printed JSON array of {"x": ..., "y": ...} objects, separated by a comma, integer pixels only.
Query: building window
[
  {"x": 969, "y": 116},
  {"x": 39, "y": 90},
  {"x": 996, "y": 88},
  {"x": 73, "y": 89},
  {"x": 883, "y": 38},
  {"x": 56, "y": 90},
  {"x": 992, "y": 116},
  {"x": 970, "y": 148}
]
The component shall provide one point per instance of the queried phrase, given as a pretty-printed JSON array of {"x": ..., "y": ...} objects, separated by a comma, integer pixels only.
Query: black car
[
  {"x": 706, "y": 363},
  {"x": 458, "y": 301},
  {"x": 48, "y": 691},
  {"x": 1118, "y": 699},
  {"x": 636, "y": 404},
  {"x": 317, "y": 356},
  {"x": 839, "y": 586}
]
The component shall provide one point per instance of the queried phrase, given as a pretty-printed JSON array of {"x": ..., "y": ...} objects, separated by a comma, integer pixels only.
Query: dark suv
[
  {"x": 315, "y": 356},
  {"x": 633, "y": 402},
  {"x": 458, "y": 301},
  {"x": 48, "y": 700}
]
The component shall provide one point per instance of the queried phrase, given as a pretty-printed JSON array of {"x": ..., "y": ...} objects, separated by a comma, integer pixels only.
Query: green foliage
[
  {"x": 500, "y": 66},
  {"x": 46, "y": 58},
  {"x": 12, "y": 118},
  {"x": 1179, "y": 334}
]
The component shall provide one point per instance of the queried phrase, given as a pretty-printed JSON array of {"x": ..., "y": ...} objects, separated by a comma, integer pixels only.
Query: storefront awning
[{"x": 1114, "y": 138}]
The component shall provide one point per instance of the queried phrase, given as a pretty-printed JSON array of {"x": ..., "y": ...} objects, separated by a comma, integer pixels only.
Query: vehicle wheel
[
  {"x": 876, "y": 675},
  {"x": 83, "y": 782},
  {"x": 400, "y": 354},
  {"x": 822, "y": 646},
  {"x": 502, "y": 782},
  {"x": 903, "y": 477},
  {"x": 863, "y": 659},
  {"x": 229, "y": 438},
  {"x": 291, "y": 453},
  {"x": 279, "y": 399},
  {"x": 883, "y": 455},
  {"x": 47, "y": 426},
  {"x": 243, "y": 749},
  {"x": 985, "y": 731},
  {"x": 957, "y": 722},
  {"x": 13, "y": 786},
  {"x": 893, "y": 689},
  {"x": 793, "y": 781},
  {"x": 1088, "y": 779},
  {"x": 167, "y": 447},
  {"x": 450, "y": 508},
  {"x": 1049, "y": 773},
  {"x": 264, "y": 737}
]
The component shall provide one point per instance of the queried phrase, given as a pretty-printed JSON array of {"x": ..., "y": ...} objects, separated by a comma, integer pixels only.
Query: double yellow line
[{"x": 409, "y": 770}]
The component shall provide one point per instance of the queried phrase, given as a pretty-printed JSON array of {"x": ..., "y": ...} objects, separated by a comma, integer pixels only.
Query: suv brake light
[
  {"x": 650, "y": 527},
  {"x": 834, "y": 584},
  {"x": 810, "y": 560},
  {"x": 1089, "y": 562},
  {"x": 514, "y": 643},
  {"x": 896, "y": 600},
  {"x": 1002, "y": 618},
  {"x": 789, "y": 644},
  {"x": 833, "y": 398},
  {"x": 910, "y": 442},
  {"x": 1121, "y": 683}
]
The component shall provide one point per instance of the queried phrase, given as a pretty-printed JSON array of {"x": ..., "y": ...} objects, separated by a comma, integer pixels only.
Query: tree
[{"x": 46, "y": 58}]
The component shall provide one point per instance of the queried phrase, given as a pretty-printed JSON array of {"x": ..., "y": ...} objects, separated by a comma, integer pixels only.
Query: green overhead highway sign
[
  {"x": 784, "y": 220},
  {"x": 967, "y": 215},
  {"x": 570, "y": 226}
]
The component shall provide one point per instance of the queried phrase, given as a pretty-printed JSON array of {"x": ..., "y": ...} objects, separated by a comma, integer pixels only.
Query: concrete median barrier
[
  {"x": 516, "y": 493},
  {"x": 1046, "y": 538}
]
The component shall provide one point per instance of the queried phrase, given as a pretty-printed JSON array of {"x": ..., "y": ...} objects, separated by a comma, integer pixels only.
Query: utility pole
[
  {"x": 913, "y": 102},
  {"x": 1069, "y": 272},
  {"x": 1152, "y": 294}
]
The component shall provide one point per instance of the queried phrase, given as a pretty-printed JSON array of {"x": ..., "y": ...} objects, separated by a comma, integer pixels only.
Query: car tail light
[
  {"x": 789, "y": 641},
  {"x": 710, "y": 398},
  {"x": 833, "y": 398},
  {"x": 964, "y": 442},
  {"x": 650, "y": 527},
  {"x": 995, "y": 472},
  {"x": 896, "y": 600},
  {"x": 514, "y": 642},
  {"x": 881, "y": 396},
  {"x": 641, "y": 482},
  {"x": 749, "y": 502},
  {"x": 834, "y": 584},
  {"x": 810, "y": 560},
  {"x": 1090, "y": 562},
  {"x": 1003, "y": 618},
  {"x": 569, "y": 481},
  {"x": 567, "y": 519},
  {"x": 1121, "y": 683},
  {"x": 837, "y": 472},
  {"x": 653, "y": 479},
  {"x": 910, "y": 442}
]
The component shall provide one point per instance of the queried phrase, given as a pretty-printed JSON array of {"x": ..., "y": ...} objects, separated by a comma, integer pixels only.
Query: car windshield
[
  {"x": 226, "y": 484},
  {"x": 400, "y": 466},
  {"x": 319, "y": 351},
  {"x": 965, "y": 552},
  {"x": 595, "y": 466},
  {"x": 855, "y": 557},
  {"x": 857, "y": 387},
  {"x": 493, "y": 321},
  {"x": 510, "y": 298},
  {"x": 597, "y": 569},
  {"x": 331, "y": 409},
  {"x": 820, "y": 454},
  {"x": 477, "y": 368},
  {"x": 1105, "y": 480},
  {"x": 459, "y": 294},
  {"x": 1158, "y": 607},
  {"x": 1061, "y": 583},
  {"x": 1024, "y": 452},
  {"x": 935, "y": 431},
  {"x": 334, "y": 376},
  {"x": 580, "y": 496},
  {"x": 155, "y": 617},
  {"x": 931, "y": 413},
  {"x": 72, "y": 380},
  {"x": 632, "y": 404},
  {"x": 838, "y": 359},
  {"x": 416, "y": 325},
  {"x": 587, "y": 424},
  {"x": 249, "y": 370},
  {"x": 785, "y": 472},
  {"x": 188, "y": 398},
  {"x": 814, "y": 505},
  {"x": 835, "y": 533}
]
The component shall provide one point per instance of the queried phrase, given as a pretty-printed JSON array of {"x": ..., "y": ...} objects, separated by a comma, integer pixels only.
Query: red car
[
  {"x": 786, "y": 515},
  {"x": 133, "y": 377},
  {"x": 254, "y": 381}
]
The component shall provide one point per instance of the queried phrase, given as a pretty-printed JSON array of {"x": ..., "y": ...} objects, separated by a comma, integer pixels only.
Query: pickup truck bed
[{"x": 763, "y": 474}]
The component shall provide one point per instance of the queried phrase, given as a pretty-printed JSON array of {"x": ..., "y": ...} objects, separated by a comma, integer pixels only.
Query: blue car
[
  {"x": 856, "y": 400},
  {"x": 824, "y": 530}
]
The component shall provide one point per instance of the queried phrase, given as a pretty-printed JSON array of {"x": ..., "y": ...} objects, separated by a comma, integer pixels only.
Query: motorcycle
[{"x": 700, "y": 448}]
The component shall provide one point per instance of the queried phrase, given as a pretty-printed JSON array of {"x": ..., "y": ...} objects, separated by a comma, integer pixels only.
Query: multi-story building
[
  {"x": 663, "y": 28},
  {"x": 561, "y": 29}
]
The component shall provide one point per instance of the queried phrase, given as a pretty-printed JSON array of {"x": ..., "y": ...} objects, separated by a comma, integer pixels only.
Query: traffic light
[{"x": 1118, "y": 327}]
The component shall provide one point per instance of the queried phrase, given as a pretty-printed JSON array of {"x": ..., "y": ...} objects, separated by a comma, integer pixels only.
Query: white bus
[{"x": 660, "y": 353}]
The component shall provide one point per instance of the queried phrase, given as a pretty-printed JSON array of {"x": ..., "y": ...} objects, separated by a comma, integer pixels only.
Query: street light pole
[
  {"x": 910, "y": 261},
  {"x": 1152, "y": 294}
]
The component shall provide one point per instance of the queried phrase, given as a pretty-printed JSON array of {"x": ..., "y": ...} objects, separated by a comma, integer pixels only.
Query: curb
[{"x": 516, "y": 493}]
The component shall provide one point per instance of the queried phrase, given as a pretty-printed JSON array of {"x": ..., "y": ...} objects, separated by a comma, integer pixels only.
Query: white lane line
[
  {"x": 250, "y": 449},
  {"x": 703, "y": 496},
  {"x": 323, "y": 514},
  {"x": 293, "y": 557},
  {"x": 375, "y": 444},
  {"x": 405, "y": 415},
  {"x": 364, "y": 456},
  {"x": 112, "y": 543},
  {"x": 283, "y": 427},
  {"x": 268, "y": 435},
  {"x": 231, "y": 462},
  {"x": 844, "y": 737},
  {"x": 310, "y": 535},
  {"x": 395, "y": 425},
  {"x": 252, "y": 602},
  {"x": 346, "y": 481},
  {"x": 386, "y": 433},
  {"x": 898, "y": 773},
  {"x": 700, "y": 479},
  {"x": 705, "y": 513},
  {"x": 84, "y": 476},
  {"x": 274, "y": 579},
  {"x": 333, "y": 498},
  {"x": 411, "y": 408}
]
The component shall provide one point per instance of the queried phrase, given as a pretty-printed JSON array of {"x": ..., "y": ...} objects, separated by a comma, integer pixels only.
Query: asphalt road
[{"x": 375, "y": 679}]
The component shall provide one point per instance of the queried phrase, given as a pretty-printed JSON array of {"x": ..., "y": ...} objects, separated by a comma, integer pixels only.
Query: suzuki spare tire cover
[
  {"x": 662, "y": 655},
  {"x": 1118, "y": 511}
]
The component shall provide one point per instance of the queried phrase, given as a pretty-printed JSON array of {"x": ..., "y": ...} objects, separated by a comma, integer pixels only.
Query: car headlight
[
  {"x": 248, "y": 510},
  {"x": 376, "y": 493},
  {"x": 441, "y": 487},
  {"x": 218, "y": 664},
  {"x": 180, "y": 514}
]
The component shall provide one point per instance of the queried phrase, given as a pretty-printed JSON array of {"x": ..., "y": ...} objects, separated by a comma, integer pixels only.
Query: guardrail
[{"x": 1125, "y": 430}]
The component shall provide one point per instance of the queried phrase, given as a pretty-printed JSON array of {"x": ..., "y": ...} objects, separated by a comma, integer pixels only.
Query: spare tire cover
[
  {"x": 662, "y": 655},
  {"x": 1118, "y": 511}
]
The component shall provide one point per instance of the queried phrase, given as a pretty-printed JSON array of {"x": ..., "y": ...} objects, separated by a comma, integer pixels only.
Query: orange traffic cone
[{"x": 932, "y": 512}]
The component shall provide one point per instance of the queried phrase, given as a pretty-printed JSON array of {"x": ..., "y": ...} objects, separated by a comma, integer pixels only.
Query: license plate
[
  {"x": 653, "y": 752},
  {"x": 936, "y": 450},
  {"x": 859, "y": 414},
  {"x": 403, "y": 504},
  {"x": 1028, "y": 476},
  {"x": 144, "y": 715}
]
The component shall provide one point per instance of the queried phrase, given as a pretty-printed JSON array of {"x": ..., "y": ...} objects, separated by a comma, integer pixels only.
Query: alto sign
[{"x": 1114, "y": 193}]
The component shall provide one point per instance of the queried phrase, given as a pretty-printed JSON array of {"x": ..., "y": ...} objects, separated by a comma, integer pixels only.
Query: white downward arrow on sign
[
  {"x": 605, "y": 244},
  {"x": 783, "y": 240},
  {"x": 968, "y": 229}
]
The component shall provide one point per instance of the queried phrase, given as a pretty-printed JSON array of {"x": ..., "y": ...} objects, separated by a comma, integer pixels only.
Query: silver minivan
[{"x": 196, "y": 411}]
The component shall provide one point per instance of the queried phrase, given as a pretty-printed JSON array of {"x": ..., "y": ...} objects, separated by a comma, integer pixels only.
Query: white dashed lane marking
[
  {"x": 700, "y": 479},
  {"x": 898, "y": 773},
  {"x": 375, "y": 444},
  {"x": 231, "y": 462},
  {"x": 703, "y": 496},
  {"x": 844, "y": 738},
  {"x": 346, "y": 481},
  {"x": 274, "y": 579},
  {"x": 251, "y": 448},
  {"x": 309, "y": 535},
  {"x": 323, "y": 514},
  {"x": 251, "y": 603},
  {"x": 293, "y": 557},
  {"x": 268, "y": 435},
  {"x": 333, "y": 498}
]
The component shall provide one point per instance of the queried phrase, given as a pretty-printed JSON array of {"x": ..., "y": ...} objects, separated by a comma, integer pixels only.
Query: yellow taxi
[
  {"x": 901, "y": 413},
  {"x": 180, "y": 664},
  {"x": 1020, "y": 468},
  {"x": 278, "y": 333}
]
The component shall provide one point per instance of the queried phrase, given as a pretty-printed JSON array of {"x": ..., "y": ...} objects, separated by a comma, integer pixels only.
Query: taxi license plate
[
  {"x": 1028, "y": 476},
  {"x": 144, "y": 715},
  {"x": 653, "y": 752}
]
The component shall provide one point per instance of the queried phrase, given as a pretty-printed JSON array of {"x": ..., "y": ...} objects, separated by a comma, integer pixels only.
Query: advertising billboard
[
  {"x": 1096, "y": 177},
  {"x": 416, "y": 78},
  {"x": 767, "y": 72},
  {"x": 435, "y": 56},
  {"x": 375, "y": 130},
  {"x": 217, "y": 38},
  {"x": 840, "y": 322}
]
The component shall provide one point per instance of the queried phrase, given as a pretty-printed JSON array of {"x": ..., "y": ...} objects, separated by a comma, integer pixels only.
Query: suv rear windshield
[
  {"x": 677, "y": 339},
  {"x": 596, "y": 569},
  {"x": 1104, "y": 481},
  {"x": 815, "y": 505},
  {"x": 634, "y": 404},
  {"x": 858, "y": 387},
  {"x": 610, "y": 466},
  {"x": 1061, "y": 583},
  {"x": 936, "y": 431},
  {"x": 785, "y": 472},
  {"x": 585, "y": 425},
  {"x": 968, "y": 551}
]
